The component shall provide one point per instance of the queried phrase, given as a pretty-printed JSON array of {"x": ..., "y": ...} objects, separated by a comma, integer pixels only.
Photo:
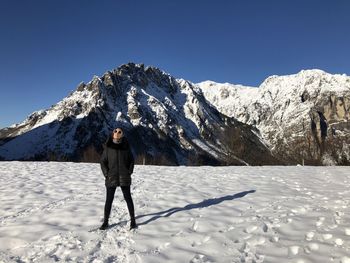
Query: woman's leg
[
  {"x": 109, "y": 200},
  {"x": 129, "y": 202}
]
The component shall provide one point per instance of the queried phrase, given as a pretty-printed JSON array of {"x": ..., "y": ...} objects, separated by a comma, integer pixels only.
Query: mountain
[
  {"x": 167, "y": 121},
  {"x": 302, "y": 117}
]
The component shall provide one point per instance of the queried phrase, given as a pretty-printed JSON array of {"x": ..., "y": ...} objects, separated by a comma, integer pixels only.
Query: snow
[
  {"x": 226, "y": 97},
  {"x": 185, "y": 214},
  {"x": 86, "y": 98},
  {"x": 36, "y": 140},
  {"x": 203, "y": 146}
]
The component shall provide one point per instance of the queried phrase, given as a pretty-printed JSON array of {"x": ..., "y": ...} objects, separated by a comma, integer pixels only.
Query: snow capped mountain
[
  {"x": 291, "y": 119},
  {"x": 167, "y": 121},
  {"x": 304, "y": 116}
]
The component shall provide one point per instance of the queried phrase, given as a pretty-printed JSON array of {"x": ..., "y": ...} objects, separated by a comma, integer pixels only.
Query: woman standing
[{"x": 117, "y": 164}]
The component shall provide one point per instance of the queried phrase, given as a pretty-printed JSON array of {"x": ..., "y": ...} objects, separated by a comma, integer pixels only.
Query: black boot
[
  {"x": 133, "y": 223},
  {"x": 104, "y": 225}
]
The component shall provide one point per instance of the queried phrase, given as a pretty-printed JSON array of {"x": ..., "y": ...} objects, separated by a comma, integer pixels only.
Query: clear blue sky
[{"x": 48, "y": 47}]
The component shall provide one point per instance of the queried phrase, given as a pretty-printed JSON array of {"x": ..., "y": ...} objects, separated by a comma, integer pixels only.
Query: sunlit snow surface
[{"x": 185, "y": 214}]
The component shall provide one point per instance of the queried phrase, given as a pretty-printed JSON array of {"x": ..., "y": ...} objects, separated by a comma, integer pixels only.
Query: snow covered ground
[{"x": 185, "y": 214}]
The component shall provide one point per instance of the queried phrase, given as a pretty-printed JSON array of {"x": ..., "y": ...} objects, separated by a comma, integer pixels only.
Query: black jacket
[{"x": 117, "y": 163}]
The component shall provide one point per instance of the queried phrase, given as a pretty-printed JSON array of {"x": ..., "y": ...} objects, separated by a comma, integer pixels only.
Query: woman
[{"x": 117, "y": 164}]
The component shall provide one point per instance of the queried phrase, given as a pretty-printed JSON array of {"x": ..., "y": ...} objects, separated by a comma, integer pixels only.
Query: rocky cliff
[{"x": 303, "y": 117}]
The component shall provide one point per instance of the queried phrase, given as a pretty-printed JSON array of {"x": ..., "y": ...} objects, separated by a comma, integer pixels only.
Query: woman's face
[{"x": 117, "y": 133}]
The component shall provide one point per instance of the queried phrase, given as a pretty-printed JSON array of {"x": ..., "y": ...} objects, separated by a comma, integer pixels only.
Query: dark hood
[{"x": 123, "y": 145}]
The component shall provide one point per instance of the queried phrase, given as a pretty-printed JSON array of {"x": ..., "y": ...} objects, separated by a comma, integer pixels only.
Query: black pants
[{"x": 109, "y": 200}]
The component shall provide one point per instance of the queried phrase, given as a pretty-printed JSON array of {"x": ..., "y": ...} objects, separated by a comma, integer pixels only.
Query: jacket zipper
[{"x": 118, "y": 163}]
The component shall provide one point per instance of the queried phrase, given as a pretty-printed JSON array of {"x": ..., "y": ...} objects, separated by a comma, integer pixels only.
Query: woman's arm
[
  {"x": 104, "y": 162},
  {"x": 131, "y": 162}
]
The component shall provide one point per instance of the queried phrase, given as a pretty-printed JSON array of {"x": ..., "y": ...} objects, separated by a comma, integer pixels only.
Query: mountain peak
[
  {"x": 132, "y": 68},
  {"x": 312, "y": 71}
]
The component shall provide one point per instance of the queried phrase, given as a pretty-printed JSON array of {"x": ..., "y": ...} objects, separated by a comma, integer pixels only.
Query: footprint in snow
[
  {"x": 250, "y": 229},
  {"x": 299, "y": 210},
  {"x": 311, "y": 247},
  {"x": 274, "y": 239},
  {"x": 265, "y": 227},
  {"x": 309, "y": 235},
  {"x": 194, "y": 226},
  {"x": 338, "y": 242},
  {"x": 293, "y": 250},
  {"x": 205, "y": 240},
  {"x": 163, "y": 246},
  {"x": 229, "y": 228},
  {"x": 287, "y": 220},
  {"x": 333, "y": 226},
  {"x": 327, "y": 236},
  {"x": 179, "y": 233},
  {"x": 199, "y": 258},
  {"x": 320, "y": 221},
  {"x": 257, "y": 240}
]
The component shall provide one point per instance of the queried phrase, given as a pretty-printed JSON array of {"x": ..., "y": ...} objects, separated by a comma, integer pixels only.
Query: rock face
[
  {"x": 302, "y": 117},
  {"x": 167, "y": 121}
]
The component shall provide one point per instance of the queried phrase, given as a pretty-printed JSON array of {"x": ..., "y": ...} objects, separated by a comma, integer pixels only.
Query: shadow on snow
[{"x": 202, "y": 204}]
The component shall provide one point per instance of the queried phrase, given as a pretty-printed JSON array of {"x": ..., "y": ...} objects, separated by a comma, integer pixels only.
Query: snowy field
[{"x": 185, "y": 214}]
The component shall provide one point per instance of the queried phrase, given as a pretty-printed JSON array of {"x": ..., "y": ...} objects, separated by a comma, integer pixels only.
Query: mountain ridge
[
  {"x": 310, "y": 103},
  {"x": 218, "y": 123},
  {"x": 170, "y": 121}
]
